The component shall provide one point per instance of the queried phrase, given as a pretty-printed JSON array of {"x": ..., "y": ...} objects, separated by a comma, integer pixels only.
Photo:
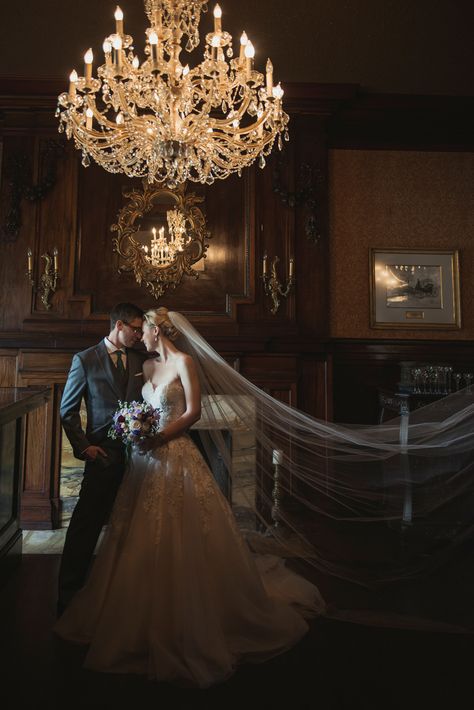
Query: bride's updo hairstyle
[{"x": 159, "y": 317}]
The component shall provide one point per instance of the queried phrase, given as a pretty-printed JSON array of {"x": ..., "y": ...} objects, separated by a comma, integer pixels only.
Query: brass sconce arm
[
  {"x": 48, "y": 279},
  {"x": 273, "y": 286}
]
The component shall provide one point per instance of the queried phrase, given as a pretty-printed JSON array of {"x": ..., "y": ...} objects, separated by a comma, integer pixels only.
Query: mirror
[{"x": 161, "y": 236}]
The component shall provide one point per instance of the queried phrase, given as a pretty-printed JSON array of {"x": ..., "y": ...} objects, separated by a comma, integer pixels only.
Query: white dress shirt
[{"x": 112, "y": 350}]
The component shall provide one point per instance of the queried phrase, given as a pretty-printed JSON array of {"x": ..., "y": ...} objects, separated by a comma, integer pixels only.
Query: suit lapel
[{"x": 110, "y": 371}]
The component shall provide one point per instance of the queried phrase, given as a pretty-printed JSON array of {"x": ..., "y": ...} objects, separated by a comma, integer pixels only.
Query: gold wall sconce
[
  {"x": 49, "y": 278},
  {"x": 161, "y": 234},
  {"x": 272, "y": 285}
]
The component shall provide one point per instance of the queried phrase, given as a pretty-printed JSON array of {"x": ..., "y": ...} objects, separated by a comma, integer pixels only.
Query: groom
[{"x": 101, "y": 375}]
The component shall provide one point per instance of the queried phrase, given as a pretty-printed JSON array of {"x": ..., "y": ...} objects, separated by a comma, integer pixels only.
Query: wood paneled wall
[
  {"x": 281, "y": 210},
  {"x": 264, "y": 211}
]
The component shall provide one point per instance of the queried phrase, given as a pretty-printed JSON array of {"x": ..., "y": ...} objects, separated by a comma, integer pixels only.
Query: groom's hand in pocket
[{"x": 92, "y": 452}]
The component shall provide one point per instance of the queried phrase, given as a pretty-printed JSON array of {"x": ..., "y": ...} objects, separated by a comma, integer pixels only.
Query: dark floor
[{"x": 337, "y": 666}]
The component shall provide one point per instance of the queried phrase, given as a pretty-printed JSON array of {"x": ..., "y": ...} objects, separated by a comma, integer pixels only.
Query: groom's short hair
[{"x": 125, "y": 312}]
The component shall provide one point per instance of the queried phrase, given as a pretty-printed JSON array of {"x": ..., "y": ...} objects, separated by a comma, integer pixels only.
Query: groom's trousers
[{"x": 99, "y": 487}]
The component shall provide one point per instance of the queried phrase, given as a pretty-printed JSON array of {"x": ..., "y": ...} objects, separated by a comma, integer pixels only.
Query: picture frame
[{"x": 414, "y": 289}]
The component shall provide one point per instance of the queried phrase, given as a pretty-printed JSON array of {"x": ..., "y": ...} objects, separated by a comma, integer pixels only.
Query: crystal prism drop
[{"x": 85, "y": 160}]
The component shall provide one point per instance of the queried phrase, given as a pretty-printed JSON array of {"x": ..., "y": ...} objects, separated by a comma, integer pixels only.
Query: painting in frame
[{"x": 414, "y": 288}]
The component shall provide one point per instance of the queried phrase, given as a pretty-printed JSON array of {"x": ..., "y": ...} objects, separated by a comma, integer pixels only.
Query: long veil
[{"x": 380, "y": 514}]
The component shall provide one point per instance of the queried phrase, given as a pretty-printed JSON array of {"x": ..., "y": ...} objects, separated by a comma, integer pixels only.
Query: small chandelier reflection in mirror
[
  {"x": 178, "y": 240},
  {"x": 165, "y": 121},
  {"x": 163, "y": 251}
]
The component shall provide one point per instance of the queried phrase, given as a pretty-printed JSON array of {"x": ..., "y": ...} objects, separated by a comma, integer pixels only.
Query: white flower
[{"x": 136, "y": 425}]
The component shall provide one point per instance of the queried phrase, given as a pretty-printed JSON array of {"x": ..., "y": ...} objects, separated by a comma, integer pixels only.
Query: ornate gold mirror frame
[{"x": 156, "y": 271}]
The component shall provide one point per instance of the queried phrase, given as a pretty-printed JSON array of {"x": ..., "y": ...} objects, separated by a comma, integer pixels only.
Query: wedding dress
[{"x": 175, "y": 592}]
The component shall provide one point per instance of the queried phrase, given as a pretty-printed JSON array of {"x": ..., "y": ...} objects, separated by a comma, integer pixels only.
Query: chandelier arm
[
  {"x": 103, "y": 121},
  {"x": 106, "y": 139},
  {"x": 221, "y": 125},
  {"x": 225, "y": 164},
  {"x": 241, "y": 111},
  {"x": 122, "y": 97}
]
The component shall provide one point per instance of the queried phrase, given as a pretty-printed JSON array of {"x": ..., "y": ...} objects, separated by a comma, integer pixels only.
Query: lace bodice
[{"x": 168, "y": 398}]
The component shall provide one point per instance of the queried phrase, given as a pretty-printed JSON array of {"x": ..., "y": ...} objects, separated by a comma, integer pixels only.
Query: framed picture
[{"x": 413, "y": 288}]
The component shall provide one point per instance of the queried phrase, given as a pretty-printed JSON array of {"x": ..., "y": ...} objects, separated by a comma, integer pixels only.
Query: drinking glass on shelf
[
  {"x": 424, "y": 380},
  {"x": 416, "y": 372},
  {"x": 449, "y": 378},
  {"x": 444, "y": 380}
]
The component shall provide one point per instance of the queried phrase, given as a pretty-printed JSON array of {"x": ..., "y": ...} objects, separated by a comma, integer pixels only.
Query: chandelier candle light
[{"x": 165, "y": 121}]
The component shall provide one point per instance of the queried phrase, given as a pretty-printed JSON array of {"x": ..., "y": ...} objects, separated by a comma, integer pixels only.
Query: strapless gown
[{"x": 175, "y": 592}]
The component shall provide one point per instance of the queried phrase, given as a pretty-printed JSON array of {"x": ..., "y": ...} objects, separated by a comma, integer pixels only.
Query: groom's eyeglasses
[{"x": 135, "y": 329}]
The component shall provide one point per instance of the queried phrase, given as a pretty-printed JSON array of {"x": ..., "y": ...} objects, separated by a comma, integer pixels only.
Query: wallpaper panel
[{"x": 396, "y": 199}]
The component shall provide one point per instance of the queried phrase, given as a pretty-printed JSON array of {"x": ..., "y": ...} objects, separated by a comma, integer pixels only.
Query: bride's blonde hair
[{"x": 159, "y": 317}]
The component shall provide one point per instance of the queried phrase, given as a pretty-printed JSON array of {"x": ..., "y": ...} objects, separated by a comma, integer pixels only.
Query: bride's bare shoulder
[
  {"x": 148, "y": 366},
  {"x": 184, "y": 360}
]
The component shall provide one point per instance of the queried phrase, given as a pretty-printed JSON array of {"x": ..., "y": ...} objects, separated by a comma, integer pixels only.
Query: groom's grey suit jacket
[{"x": 94, "y": 378}]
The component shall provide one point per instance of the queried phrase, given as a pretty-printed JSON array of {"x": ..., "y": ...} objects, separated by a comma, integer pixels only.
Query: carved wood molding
[
  {"x": 304, "y": 195},
  {"x": 18, "y": 176}
]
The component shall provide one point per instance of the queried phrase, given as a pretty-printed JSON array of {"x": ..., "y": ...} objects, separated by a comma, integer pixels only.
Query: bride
[{"x": 175, "y": 592}]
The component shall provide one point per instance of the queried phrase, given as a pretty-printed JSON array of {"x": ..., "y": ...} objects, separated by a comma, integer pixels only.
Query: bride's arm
[{"x": 192, "y": 392}]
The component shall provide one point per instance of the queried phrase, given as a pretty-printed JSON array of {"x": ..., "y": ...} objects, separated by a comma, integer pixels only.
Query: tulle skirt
[{"x": 174, "y": 592}]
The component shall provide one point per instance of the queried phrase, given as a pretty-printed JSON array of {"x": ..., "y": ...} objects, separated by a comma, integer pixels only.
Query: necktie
[{"x": 120, "y": 365}]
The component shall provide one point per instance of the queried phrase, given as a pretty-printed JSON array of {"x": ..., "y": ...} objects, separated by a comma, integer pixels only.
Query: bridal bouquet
[{"x": 135, "y": 422}]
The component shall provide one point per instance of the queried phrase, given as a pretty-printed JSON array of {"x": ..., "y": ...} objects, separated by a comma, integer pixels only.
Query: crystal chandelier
[
  {"x": 165, "y": 121},
  {"x": 163, "y": 251}
]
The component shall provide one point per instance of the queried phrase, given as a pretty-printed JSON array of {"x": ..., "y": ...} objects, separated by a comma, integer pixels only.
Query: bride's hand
[
  {"x": 150, "y": 443},
  {"x": 143, "y": 447}
]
